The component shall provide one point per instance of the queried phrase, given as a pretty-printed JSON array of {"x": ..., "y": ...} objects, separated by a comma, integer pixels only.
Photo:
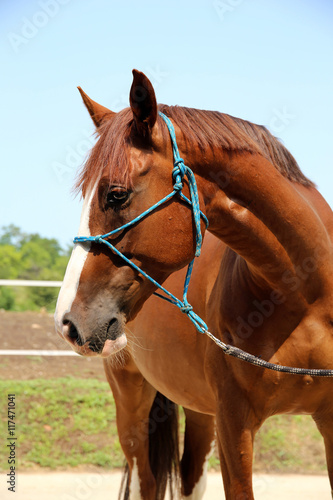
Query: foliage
[{"x": 29, "y": 256}]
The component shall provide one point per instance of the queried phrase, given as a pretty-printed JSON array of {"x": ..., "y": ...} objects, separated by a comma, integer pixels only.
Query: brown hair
[{"x": 205, "y": 129}]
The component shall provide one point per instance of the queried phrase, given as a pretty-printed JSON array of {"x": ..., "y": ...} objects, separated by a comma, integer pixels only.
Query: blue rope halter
[{"x": 180, "y": 170}]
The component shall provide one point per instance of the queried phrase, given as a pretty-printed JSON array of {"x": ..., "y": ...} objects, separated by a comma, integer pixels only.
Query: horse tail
[
  {"x": 164, "y": 445},
  {"x": 163, "y": 449}
]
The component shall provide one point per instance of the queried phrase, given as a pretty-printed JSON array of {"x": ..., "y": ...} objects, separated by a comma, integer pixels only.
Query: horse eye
[{"x": 117, "y": 196}]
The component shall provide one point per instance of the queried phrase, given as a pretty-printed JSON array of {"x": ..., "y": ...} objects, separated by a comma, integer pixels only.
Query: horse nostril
[
  {"x": 112, "y": 329},
  {"x": 112, "y": 322},
  {"x": 72, "y": 332}
]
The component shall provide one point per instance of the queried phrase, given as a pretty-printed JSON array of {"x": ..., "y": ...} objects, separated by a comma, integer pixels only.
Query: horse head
[{"x": 128, "y": 171}]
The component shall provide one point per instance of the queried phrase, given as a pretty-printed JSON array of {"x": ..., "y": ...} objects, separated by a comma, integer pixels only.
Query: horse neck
[{"x": 260, "y": 215}]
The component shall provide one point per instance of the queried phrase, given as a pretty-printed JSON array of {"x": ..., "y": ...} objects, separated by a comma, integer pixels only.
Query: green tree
[
  {"x": 10, "y": 262},
  {"x": 34, "y": 258},
  {"x": 7, "y": 298},
  {"x": 30, "y": 256},
  {"x": 11, "y": 235}
]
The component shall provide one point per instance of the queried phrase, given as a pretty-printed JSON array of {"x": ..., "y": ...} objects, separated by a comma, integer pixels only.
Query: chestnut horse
[{"x": 263, "y": 284}]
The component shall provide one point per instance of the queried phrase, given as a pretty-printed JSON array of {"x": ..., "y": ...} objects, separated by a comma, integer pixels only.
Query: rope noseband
[{"x": 179, "y": 172}]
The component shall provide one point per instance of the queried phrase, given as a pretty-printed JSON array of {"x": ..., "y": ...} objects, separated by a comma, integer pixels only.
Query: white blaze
[{"x": 70, "y": 284}]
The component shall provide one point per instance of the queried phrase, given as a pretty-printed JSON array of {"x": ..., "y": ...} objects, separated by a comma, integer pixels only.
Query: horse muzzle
[{"x": 103, "y": 340}]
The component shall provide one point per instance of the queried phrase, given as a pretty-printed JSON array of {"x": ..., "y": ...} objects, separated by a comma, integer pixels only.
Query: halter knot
[
  {"x": 186, "y": 308},
  {"x": 178, "y": 162},
  {"x": 178, "y": 173},
  {"x": 99, "y": 239}
]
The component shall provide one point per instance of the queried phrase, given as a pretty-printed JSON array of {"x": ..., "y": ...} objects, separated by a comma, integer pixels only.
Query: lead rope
[{"x": 180, "y": 170}]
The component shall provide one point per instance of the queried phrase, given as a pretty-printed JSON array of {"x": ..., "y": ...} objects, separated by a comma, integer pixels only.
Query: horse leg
[
  {"x": 324, "y": 423},
  {"x": 198, "y": 444},
  {"x": 133, "y": 397},
  {"x": 236, "y": 425}
]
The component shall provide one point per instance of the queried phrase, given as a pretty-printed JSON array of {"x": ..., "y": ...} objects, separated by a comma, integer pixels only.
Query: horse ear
[
  {"x": 143, "y": 102},
  {"x": 98, "y": 113}
]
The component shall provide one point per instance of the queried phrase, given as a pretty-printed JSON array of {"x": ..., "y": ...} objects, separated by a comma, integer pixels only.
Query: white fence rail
[
  {"x": 30, "y": 283},
  {"x": 35, "y": 352}
]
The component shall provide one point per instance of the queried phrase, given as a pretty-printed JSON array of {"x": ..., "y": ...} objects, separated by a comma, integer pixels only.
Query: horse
[{"x": 263, "y": 284}]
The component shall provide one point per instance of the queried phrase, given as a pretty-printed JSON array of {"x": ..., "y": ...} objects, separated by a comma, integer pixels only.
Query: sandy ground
[{"x": 94, "y": 486}]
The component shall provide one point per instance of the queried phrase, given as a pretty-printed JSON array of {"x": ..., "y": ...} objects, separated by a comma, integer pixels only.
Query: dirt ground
[
  {"x": 35, "y": 330},
  {"x": 73, "y": 486}
]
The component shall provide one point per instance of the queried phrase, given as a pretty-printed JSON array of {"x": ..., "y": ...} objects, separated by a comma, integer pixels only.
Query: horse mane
[
  {"x": 212, "y": 129},
  {"x": 205, "y": 129}
]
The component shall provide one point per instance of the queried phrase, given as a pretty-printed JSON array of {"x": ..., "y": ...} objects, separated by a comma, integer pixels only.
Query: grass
[
  {"x": 289, "y": 443},
  {"x": 62, "y": 423},
  {"x": 67, "y": 422}
]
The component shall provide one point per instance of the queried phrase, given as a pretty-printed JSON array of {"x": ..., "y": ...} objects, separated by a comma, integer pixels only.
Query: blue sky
[{"x": 267, "y": 61}]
